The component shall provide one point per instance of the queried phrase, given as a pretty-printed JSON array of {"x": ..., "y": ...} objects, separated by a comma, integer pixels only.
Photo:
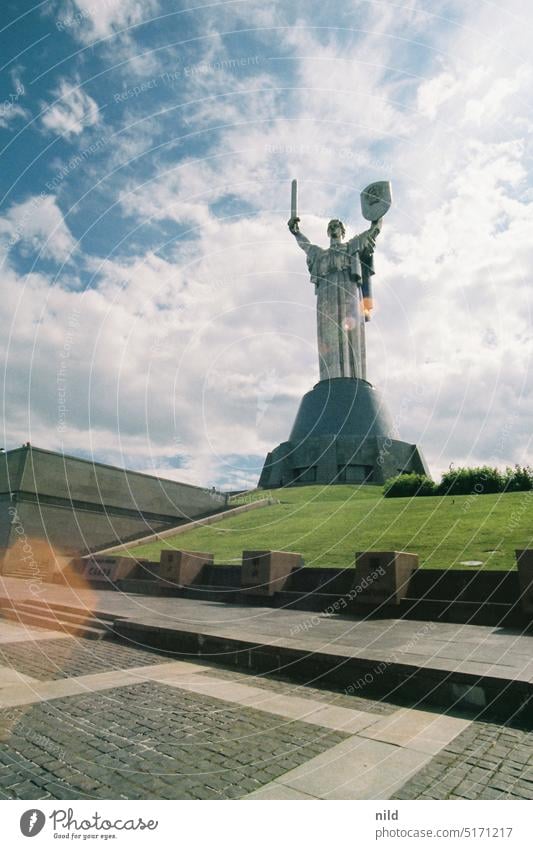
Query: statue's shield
[{"x": 376, "y": 200}]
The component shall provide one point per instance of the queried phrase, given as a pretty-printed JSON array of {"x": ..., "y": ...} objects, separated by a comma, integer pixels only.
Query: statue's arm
[
  {"x": 302, "y": 240},
  {"x": 367, "y": 239}
]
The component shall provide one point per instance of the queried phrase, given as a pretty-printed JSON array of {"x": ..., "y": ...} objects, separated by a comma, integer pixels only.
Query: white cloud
[
  {"x": 489, "y": 106},
  {"x": 11, "y": 106},
  {"x": 37, "y": 226},
  {"x": 94, "y": 20},
  {"x": 71, "y": 111},
  {"x": 10, "y": 112},
  {"x": 432, "y": 93}
]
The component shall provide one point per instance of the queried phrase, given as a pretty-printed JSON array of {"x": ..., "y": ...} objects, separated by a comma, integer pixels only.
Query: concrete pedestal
[
  {"x": 342, "y": 434},
  {"x": 382, "y": 577},
  {"x": 183, "y": 568},
  {"x": 267, "y": 572}
]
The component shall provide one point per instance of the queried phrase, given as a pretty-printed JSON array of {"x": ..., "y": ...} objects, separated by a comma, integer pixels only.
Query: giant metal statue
[
  {"x": 342, "y": 432},
  {"x": 342, "y": 278}
]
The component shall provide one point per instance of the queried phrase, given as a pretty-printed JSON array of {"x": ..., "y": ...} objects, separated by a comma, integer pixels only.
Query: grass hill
[{"x": 328, "y": 524}]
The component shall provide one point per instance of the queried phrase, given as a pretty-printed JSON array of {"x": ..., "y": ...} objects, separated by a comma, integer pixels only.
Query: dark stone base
[{"x": 342, "y": 434}]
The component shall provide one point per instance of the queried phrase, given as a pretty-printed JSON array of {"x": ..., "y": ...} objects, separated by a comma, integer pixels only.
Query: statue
[
  {"x": 342, "y": 432},
  {"x": 342, "y": 276}
]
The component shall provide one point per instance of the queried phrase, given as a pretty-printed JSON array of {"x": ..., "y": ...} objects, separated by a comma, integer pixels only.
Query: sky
[{"x": 155, "y": 311}]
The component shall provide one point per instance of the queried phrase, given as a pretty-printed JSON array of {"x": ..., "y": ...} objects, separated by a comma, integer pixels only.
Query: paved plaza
[{"x": 101, "y": 719}]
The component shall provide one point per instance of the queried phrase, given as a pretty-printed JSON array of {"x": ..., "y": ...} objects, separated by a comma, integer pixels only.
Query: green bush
[
  {"x": 479, "y": 480},
  {"x": 405, "y": 486},
  {"x": 518, "y": 479}
]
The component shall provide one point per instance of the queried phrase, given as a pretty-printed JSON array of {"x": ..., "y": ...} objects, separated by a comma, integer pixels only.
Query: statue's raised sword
[{"x": 294, "y": 199}]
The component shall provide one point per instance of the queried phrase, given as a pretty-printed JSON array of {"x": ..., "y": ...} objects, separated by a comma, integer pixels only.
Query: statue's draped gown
[{"x": 340, "y": 274}]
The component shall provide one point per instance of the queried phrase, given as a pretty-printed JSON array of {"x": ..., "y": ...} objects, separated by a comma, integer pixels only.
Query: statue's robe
[{"x": 341, "y": 276}]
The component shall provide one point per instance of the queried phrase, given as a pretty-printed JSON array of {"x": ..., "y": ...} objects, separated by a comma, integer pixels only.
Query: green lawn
[{"x": 327, "y": 525}]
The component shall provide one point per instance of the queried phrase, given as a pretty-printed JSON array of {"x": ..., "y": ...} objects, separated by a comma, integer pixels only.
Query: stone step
[
  {"x": 25, "y": 570},
  {"x": 106, "y": 619},
  {"x": 76, "y": 617},
  {"x": 18, "y": 572},
  {"x": 53, "y": 624}
]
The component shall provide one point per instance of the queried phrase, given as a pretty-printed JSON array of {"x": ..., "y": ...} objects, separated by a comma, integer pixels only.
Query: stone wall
[{"x": 78, "y": 505}]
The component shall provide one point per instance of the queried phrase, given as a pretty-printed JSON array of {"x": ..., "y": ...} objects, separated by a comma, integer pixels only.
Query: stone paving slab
[
  {"x": 17, "y": 632},
  {"x": 417, "y": 729},
  {"x": 9, "y": 677},
  {"x": 349, "y": 721},
  {"x": 356, "y": 769}
]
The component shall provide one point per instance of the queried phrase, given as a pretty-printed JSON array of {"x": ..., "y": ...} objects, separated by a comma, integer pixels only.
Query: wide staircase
[
  {"x": 60, "y": 617},
  {"x": 18, "y": 568}
]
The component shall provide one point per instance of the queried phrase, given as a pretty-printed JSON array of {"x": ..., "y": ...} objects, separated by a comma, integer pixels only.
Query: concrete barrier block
[
  {"x": 382, "y": 577},
  {"x": 183, "y": 568},
  {"x": 112, "y": 569},
  {"x": 267, "y": 572}
]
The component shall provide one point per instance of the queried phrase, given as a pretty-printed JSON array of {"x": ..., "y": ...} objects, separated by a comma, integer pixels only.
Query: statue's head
[{"x": 336, "y": 229}]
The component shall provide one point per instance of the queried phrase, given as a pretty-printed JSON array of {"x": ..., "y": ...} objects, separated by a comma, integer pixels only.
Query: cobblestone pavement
[
  {"x": 486, "y": 761},
  {"x": 148, "y": 741},
  {"x": 68, "y": 657}
]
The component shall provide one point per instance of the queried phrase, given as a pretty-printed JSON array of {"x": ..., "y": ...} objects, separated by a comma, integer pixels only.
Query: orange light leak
[
  {"x": 368, "y": 306},
  {"x": 46, "y": 576}
]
